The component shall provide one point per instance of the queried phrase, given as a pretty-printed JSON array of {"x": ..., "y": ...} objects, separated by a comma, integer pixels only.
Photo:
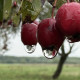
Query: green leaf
[
  {"x": 46, "y": 14},
  {"x": 7, "y": 8},
  {"x": 15, "y": 17},
  {"x": 59, "y": 2},
  {"x": 30, "y": 10},
  {"x": 7, "y": 12},
  {"x": 16, "y": 20},
  {"x": 1, "y": 10}
]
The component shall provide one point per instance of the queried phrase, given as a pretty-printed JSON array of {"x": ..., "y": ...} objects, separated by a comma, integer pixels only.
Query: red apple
[
  {"x": 68, "y": 20},
  {"x": 48, "y": 37},
  {"x": 28, "y": 34},
  {"x": 74, "y": 38}
]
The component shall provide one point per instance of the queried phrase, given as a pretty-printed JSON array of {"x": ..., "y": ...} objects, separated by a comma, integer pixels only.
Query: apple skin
[
  {"x": 68, "y": 18},
  {"x": 28, "y": 34},
  {"x": 48, "y": 36},
  {"x": 74, "y": 38}
]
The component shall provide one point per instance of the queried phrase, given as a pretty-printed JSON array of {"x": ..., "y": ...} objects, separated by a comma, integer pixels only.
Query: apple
[
  {"x": 28, "y": 36},
  {"x": 68, "y": 20},
  {"x": 48, "y": 37}
]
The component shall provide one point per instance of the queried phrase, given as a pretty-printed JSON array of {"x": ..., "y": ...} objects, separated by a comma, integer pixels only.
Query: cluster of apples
[{"x": 51, "y": 32}]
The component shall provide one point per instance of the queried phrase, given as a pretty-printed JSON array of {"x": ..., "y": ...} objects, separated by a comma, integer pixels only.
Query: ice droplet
[
  {"x": 30, "y": 48},
  {"x": 50, "y": 54}
]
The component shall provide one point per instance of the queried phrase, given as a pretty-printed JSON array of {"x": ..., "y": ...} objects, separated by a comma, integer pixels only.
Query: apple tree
[{"x": 57, "y": 24}]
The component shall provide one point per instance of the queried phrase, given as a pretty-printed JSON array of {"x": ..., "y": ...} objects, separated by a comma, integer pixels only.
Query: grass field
[{"x": 37, "y": 72}]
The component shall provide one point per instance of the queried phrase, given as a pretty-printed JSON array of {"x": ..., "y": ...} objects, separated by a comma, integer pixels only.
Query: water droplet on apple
[
  {"x": 30, "y": 49},
  {"x": 50, "y": 54}
]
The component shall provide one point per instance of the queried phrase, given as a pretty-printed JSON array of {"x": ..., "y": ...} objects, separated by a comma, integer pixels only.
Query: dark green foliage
[
  {"x": 59, "y": 3},
  {"x": 7, "y": 8},
  {"x": 30, "y": 9},
  {"x": 1, "y": 10},
  {"x": 39, "y": 60}
]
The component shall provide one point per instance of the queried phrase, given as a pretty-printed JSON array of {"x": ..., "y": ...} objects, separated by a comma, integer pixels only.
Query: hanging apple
[
  {"x": 68, "y": 20},
  {"x": 49, "y": 38},
  {"x": 28, "y": 36}
]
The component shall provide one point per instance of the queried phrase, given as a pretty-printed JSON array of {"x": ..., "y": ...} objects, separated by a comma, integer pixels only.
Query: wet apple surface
[
  {"x": 48, "y": 37},
  {"x": 68, "y": 20},
  {"x": 28, "y": 36}
]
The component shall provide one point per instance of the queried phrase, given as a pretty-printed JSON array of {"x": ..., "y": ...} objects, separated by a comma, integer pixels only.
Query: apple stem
[
  {"x": 54, "y": 5},
  {"x": 68, "y": 1}
]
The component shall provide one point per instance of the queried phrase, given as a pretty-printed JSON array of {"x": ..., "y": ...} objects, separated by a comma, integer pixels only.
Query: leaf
[
  {"x": 16, "y": 20},
  {"x": 30, "y": 10},
  {"x": 15, "y": 17},
  {"x": 7, "y": 8},
  {"x": 1, "y": 10},
  {"x": 59, "y": 2},
  {"x": 46, "y": 14}
]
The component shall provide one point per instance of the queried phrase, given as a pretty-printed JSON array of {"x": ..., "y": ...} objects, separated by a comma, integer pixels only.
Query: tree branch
[
  {"x": 70, "y": 49},
  {"x": 62, "y": 49},
  {"x": 60, "y": 54}
]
